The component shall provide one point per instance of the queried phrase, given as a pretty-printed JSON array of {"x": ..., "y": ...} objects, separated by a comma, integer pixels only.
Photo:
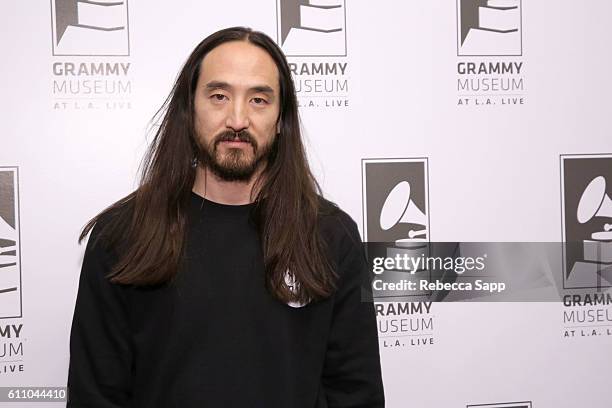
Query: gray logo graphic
[
  {"x": 87, "y": 27},
  {"x": 311, "y": 28},
  {"x": 586, "y": 200},
  {"x": 396, "y": 213},
  {"x": 10, "y": 265},
  {"x": 395, "y": 200},
  {"x": 489, "y": 28},
  {"x": 522, "y": 404}
]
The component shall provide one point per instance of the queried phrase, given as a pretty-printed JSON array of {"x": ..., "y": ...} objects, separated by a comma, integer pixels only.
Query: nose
[{"x": 238, "y": 118}]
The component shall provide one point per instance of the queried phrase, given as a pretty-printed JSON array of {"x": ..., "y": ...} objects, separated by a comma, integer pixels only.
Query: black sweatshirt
[{"x": 215, "y": 337}]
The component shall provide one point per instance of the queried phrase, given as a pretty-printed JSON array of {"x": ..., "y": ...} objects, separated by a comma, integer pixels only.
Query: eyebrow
[{"x": 225, "y": 86}]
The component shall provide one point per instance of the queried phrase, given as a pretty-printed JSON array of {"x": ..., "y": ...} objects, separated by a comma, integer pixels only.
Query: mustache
[{"x": 228, "y": 136}]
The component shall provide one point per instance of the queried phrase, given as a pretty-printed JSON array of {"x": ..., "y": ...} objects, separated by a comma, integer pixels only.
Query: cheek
[
  {"x": 207, "y": 123},
  {"x": 266, "y": 124}
]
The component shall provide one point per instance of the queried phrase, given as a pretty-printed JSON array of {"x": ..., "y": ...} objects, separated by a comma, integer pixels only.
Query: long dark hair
[{"x": 150, "y": 223}]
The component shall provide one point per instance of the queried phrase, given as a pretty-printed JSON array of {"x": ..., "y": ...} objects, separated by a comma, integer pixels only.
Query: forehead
[{"x": 239, "y": 63}]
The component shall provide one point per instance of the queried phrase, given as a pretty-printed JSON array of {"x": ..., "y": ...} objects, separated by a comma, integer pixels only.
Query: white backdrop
[{"x": 494, "y": 171}]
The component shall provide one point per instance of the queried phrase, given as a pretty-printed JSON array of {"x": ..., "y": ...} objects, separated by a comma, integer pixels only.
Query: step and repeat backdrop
[{"x": 438, "y": 120}]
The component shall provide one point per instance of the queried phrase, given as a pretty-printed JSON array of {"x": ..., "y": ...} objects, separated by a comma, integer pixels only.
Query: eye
[
  {"x": 259, "y": 101},
  {"x": 218, "y": 97}
]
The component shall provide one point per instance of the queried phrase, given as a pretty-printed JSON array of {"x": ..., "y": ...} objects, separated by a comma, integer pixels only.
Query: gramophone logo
[
  {"x": 395, "y": 200},
  {"x": 311, "y": 28},
  {"x": 489, "y": 28},
  {"x": 10, "y": 265},
  {"x": 586, "y": 191},
  {"x": 396, "y": 213},
  {"x": 85, "y": 27}
]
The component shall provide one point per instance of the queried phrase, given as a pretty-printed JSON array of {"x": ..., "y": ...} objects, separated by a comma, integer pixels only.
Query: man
[{"x": 225, "y": 280}]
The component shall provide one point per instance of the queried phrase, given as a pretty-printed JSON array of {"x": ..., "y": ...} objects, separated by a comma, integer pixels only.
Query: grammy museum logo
[
  {"x": 586, "y": 191},
  {"x": 11, "y": 336},
  {"x": 586, "y": 188},
  {"x": 489, "y": 51},
  {"x": 90, "y": 27},
  {"x": 100, "y": 29},
  {"x": 10, "y": 265},
  {"x": 312, "y": 34},
  {"x": 396, "y": 221}
]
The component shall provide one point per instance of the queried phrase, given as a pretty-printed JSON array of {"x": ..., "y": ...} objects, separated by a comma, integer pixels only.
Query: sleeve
[
  {"x": 352, "y": 374},
  {"x": 99, "y": 373}
]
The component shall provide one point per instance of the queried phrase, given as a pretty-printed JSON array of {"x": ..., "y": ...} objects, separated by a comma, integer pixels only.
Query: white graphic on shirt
[{"x": 293, "y": 286}]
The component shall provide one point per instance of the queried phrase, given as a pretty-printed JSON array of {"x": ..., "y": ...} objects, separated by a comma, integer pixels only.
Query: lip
[{"x": 235, "y": 143}]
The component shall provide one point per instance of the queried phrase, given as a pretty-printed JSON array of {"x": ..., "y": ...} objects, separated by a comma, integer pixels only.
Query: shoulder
[
  {"x": 338, "y": 229},
  {"x": 344, "y": 247},
  {"x": 109, "y": 227}
]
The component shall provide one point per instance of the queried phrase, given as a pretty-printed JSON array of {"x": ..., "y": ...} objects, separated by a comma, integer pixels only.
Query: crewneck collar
[{"x": 202, "y": 203}]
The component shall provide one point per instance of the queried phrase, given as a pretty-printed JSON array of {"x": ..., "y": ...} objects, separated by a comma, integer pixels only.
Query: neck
[{"x": 211, "y": 187}]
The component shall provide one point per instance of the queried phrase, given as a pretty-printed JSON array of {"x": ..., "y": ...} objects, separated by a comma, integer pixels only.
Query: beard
[{"x": 234, "y": 164}]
